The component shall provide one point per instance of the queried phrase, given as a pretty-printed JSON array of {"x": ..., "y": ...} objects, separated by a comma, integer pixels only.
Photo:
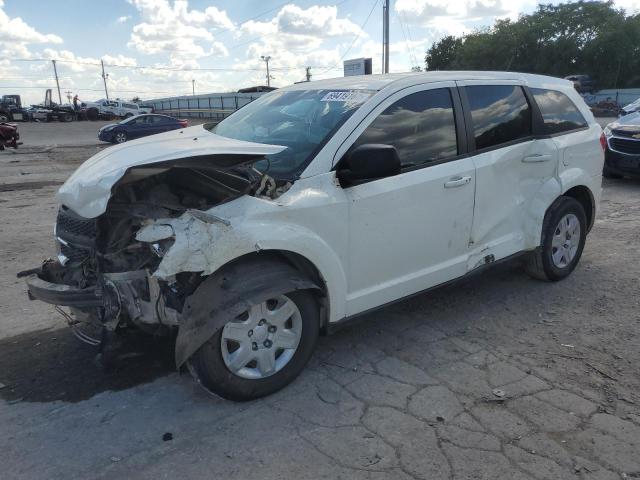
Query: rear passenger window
[
  {"x": 559, "y": 113},
  {"x": 500, "y": 114},
  {"x": 421, "y": 127}
]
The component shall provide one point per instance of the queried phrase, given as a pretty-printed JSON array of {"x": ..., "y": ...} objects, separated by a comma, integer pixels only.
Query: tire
[
  {"x": 209, "y": 367},
  {"x": 4, "y": 117},
  {"x": 120, "y": 137},
  {"x": 607, "y": 173},
  {"x": 128, "y": 115},
  {"x": 552, "y": 261}
]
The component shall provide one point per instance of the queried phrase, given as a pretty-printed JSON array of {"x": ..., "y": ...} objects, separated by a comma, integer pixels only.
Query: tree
[
  {"x": 441, "y": 55},
  {"x": 581, "y": 37}
]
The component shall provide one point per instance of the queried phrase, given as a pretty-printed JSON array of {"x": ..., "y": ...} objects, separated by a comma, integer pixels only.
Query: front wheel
[
  {"x": 120, "y": 137},
  {"x": 564, "y": 233},
  {"x": 260, "y": 351}
]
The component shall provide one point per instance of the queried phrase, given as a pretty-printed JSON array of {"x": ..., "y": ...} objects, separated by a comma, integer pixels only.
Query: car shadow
[{"x": 53, "y": 365}]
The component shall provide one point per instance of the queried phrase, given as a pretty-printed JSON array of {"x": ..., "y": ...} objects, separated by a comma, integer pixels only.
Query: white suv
[{"x": 316, "y": 203}]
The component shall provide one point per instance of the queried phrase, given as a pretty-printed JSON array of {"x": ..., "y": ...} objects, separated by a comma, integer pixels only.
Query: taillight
[
  {"x": 184, "y": 123},
  {"x": 603, "y": 141}
]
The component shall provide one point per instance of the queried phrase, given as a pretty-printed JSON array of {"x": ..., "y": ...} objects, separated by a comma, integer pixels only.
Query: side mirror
[{"x": 368, "y": 162}]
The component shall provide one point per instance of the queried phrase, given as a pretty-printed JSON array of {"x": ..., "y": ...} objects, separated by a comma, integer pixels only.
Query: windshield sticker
[{"x": 351, "y": 97}]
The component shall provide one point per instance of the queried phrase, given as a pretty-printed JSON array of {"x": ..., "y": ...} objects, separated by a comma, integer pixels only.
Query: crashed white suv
[{"x": 316, "y": 203}]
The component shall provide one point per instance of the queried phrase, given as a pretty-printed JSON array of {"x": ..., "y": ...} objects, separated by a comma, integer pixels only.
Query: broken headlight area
[
  {"x": 107, "y": 269},
  {"x": 104, "y": 273}
]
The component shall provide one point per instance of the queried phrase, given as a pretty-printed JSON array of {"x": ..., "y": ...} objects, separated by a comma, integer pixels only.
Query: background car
[
  {"x": 582, "y": 83},
  {"x": 631, "y": 108},
  {"x": 139, "y": 126},
  {"x": 622, "y": 156}
]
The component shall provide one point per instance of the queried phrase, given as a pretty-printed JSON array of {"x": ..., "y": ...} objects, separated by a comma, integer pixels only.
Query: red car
[{"x": 9, "y": 135}]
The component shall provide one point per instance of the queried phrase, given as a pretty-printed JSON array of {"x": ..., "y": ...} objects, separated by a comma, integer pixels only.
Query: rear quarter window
[{"x": 559, "y": 113}]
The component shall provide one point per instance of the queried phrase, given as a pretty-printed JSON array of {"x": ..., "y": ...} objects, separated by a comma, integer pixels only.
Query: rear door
[
  {"x": 511, "y": 167},
  {"x": 411, "y": 231}
]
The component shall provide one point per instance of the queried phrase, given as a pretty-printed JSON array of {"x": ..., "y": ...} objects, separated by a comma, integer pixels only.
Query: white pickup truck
[{"x": 116, "y": 108}]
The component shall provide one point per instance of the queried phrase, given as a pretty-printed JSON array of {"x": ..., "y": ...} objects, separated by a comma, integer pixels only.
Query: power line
[
  {"x": 148, "y": 67},
  {"x": 415, "y": 58},
  {"x": 409, "y": 49},
  {"x": 354, "y": 39}
]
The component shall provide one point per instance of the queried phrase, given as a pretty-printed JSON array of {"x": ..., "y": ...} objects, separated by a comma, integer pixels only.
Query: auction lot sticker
[{"x": 348, "y": 96}]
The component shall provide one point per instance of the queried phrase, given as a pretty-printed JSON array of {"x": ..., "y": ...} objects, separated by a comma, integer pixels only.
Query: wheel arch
[
  {"x": 235, "y": 286},
  {"x": 301, "y": 264},
  {"x": 585, "y": 197}
]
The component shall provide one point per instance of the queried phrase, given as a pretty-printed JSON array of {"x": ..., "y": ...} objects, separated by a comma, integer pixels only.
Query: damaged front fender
[{"x": 194, "y": 233}]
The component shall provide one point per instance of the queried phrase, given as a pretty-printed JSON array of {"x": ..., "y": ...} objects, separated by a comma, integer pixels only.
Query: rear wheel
[
  {"x": 564, "y": 233},
  {"x": 4, "y": 117},
  {"x": 120, "y": 137},
  {"x": 262, "y": 350}
]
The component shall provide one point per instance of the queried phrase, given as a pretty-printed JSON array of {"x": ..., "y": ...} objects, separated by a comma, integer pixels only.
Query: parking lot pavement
[
  {"x": 85, "y": 133},
  {"x": 495, "y": 377},
  {"x": 39, "y": 134}
]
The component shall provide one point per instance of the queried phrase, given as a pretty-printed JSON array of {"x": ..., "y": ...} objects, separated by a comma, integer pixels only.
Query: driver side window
[{"x": 421, "y": 126}]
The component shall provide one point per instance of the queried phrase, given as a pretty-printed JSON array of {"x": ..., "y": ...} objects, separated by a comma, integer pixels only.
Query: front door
[{"x": 410, "y": 231}]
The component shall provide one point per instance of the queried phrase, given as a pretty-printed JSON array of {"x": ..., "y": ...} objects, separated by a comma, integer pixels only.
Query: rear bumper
[{"x": 622, "y": 163}]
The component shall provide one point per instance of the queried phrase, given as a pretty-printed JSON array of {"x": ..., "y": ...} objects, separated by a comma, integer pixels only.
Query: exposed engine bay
[{"x": 105, "y": 274}]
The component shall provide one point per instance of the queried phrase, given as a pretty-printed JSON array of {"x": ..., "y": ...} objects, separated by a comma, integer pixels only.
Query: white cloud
[
  {"x": 123, "y": 19},
  {"x": 119, "y": 60},
  {"x": 17, "y": 30},
  {"x": 297, "y": 37},
  {"x": 175, "y": 30},
  {"x": 454, "y": 15}
]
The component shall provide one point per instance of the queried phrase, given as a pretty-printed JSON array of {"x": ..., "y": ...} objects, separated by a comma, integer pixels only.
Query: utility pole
[
  {"x": 385, "y": 36},
  {"x": 266, "y": 60},
  {"x": 308, "y": 74},
  {"x": 193, "y": 87},
  {"x": 104, "y": 78},
  {"x": 55, "y": 71}
]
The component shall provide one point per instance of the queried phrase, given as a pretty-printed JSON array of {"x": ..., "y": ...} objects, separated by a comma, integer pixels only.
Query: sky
[{"x": 156, "y": 48}]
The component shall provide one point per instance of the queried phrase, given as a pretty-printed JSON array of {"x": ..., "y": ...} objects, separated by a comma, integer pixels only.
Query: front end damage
[{"x": 107, "y": 267}]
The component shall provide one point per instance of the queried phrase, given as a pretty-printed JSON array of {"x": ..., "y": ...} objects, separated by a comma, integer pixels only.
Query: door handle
[
  {"x": 457, "y": 182},
  {"x": 536, "y": 158}
]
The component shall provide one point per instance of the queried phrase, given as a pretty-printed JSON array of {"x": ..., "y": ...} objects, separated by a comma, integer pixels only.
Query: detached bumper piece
[
  {"x": 45, "y": 284},
  {"x": 64, "y": 295}
]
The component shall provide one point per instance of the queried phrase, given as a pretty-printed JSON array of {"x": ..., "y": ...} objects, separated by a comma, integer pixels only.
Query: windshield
[{"x": 301, "y": 120}]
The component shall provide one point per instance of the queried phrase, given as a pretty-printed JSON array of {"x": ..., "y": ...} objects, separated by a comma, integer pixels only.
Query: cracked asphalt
[{"x": 497, "y": 376}]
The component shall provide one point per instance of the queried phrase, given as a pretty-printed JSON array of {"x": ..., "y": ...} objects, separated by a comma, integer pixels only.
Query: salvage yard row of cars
[{"x": 316, "y": 203}]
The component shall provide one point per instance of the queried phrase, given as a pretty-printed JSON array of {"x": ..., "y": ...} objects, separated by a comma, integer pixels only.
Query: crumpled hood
[{"x": 88, "y": 189}]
